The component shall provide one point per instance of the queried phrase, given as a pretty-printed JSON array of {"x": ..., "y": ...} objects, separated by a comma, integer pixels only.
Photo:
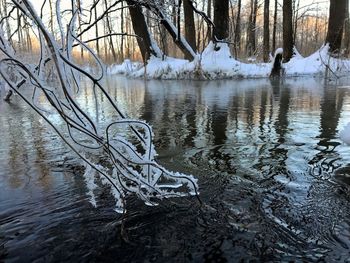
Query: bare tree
[
  {"x": 121, "y": 53},
  {"x": 347, "y": 30},
  {"x": 336, "y": 24},
  {"x": 237, "y": 42},
  {"x": 109, "y": 28},
  {"x": 274, "y": 26},
  {"x": 251, "y": 29},
  {"x": 190, "y": 28},
  {"x": 146, "y": 44},
  {"x": 288, "y": 41},
  {"x": 221, "y": 20},
  {"x": 209, "y": 8},
  {"x": 96, "y": 29},
  {"x": 266, "y": 30}
]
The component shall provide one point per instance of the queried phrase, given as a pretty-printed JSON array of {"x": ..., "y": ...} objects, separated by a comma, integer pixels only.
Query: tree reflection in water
[{"x": 267, "y": 156}]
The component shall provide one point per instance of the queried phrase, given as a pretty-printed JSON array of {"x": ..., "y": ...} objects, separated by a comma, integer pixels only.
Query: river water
[{"x": 274, "y": 177}]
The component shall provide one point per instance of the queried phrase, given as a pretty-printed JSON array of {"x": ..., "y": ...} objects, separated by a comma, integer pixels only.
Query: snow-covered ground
[{"x": 212, "y": 64}]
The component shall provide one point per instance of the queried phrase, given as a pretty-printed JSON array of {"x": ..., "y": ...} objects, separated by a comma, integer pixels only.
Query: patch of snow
[
  {"x": 125, "y": 68},
  {"x": 297, "y": 55},
  {"x": 345, "y": 134},
  {"x": 252, "y": 59},
  {"x": 279, "y": 51}
]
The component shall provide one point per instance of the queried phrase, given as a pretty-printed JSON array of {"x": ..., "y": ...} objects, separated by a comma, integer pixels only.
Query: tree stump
[{"x": 277, "y": 69}]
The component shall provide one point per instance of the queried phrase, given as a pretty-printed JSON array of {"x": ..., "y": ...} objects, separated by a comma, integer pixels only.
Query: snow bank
[
  {"x": 316, "y": 64},
  {"x": 125, "y": 68},
  {"x": 216, "y": 62}
]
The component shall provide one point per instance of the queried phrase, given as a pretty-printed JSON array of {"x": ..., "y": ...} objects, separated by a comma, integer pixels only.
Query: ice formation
[{"x": 119, "y": 152}]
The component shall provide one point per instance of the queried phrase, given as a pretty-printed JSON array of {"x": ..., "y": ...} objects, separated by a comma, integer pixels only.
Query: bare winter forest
[{"x": 117, "y": 30}]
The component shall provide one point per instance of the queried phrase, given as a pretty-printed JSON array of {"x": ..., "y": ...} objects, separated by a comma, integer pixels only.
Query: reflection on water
[{"x": 273, "y": 173}]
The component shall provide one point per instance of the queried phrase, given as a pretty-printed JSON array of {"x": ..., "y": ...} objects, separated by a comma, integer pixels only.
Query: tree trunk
[
  {"x": 111, "y": 45},
  {"x": 237, "y": 42},
  {"x": 266, "y": 30},
  {"x": 79, "y": 25},
  {"x": 52, "y": 17},
  {"x": 96, "y": 31},
  {"x": 121, "y": 53},
  {"x": 254, "y": 26},
  {"x": 288, "y": 41},
  {"x": 251, "y": 44},
  {"x": 28, "y": 38},
  {"x": 209, "y": 34},
  {"x": 221, "y": 21},
  {"x": 335, "y": 24},
  {"x": 7, "y": 24},
  {"x": 190, "y": 28},
  {"x": 274, "y": 27},
  {"x": 316, "y": 31},
  {"x": 173, "y": 11},
  {"x": 296, "y": 5},
  {"x": 19, "y": 31},
  {"x": 347, "y": 29},
  {"x": 144, "y": 40},
  {"x": 163, "y": 37}
]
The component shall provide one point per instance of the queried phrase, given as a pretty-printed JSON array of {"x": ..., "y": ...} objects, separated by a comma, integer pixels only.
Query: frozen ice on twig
[{"x": 119, "y": 153}]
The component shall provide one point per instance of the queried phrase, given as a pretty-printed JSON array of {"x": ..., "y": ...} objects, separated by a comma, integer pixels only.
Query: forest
[{"x": 135, "y": 30}]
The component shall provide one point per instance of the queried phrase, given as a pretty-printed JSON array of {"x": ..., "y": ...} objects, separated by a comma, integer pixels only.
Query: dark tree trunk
[
  {"x": 335, "y": 25},
  {"x": 347, "y": 29},
  {"x": 288, "y": 41},
  {"x": 140, "y": 28},
  {"x": 251, "y": 44},
  {"x": 274, "y": 27},
  {"x": 190, "y": 28},
  {"x": 209, "y": 34},
  {"x": 253, "y": 36},
  {"x": 277, "y": 69},
  {"x": 249, "y": 29},
  {"x": 238, "y": 29},
  {"x": 121, "y": 54},
  {"x": 221, "y": 21},
  {"x": 266, "y": 30}
]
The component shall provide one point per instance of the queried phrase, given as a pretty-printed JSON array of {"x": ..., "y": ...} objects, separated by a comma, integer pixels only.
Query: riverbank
[{"x": 213, "y": 64}]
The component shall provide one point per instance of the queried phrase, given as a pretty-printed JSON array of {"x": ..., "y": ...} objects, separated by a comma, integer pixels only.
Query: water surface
[{"x": 274, "y": 177}]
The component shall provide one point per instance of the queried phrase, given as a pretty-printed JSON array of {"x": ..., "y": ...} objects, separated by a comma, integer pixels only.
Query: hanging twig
[{"x": 126, "y": 144}]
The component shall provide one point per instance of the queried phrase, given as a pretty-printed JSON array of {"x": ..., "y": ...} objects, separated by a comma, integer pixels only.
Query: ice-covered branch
[{"x": 120, "y": 152}]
